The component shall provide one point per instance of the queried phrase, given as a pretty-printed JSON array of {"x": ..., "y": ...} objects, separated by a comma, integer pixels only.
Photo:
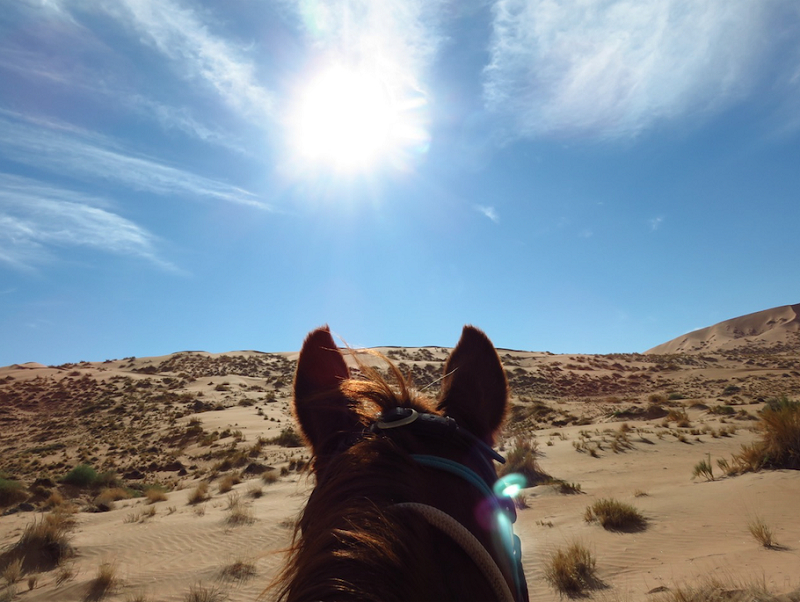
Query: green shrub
[
  {"x": 703, "y": 468},
  {"x": 82, "y": 475},
  {"x": 11, "y": 492},
  {"x": 288, "y": 438}
]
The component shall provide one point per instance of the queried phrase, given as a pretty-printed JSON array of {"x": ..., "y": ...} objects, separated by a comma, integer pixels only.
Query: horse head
[{"x": 404, "y": 506}]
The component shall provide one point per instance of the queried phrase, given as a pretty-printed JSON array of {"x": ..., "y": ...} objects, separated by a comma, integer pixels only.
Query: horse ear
[
  {"x": 319, "y": 406},
  {"x": 474, "y": 388}
]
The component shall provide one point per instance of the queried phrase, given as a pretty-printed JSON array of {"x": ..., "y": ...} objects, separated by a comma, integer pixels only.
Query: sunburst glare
[{"x": 351, "y": 120}]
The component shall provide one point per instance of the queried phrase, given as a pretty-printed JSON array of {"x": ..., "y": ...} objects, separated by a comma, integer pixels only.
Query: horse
[{"x": 404, "y": 505}]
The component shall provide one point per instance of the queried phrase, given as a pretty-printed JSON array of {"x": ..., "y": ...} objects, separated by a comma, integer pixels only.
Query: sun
[{"x": 349, "y": 120}]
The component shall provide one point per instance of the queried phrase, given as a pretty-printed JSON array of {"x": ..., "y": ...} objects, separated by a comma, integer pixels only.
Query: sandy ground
[{"x": 695, "y": 528}]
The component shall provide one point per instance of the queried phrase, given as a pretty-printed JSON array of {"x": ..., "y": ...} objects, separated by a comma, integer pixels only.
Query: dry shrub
[
  {"x": 522, "y": 459},
  {"x": 614, "y": 515},
  {"x": 761, "y": 531},
  {"x": 103, "y": 583},
  {"x": 255, "y": 491},
  {"x": 45, "y": 542},
  {"x": 239, "y": 570},
  {"x": 227, "y": 482},
  {"x": 714, "y": 589},
  {"x": 199, "y": 493},
  {"x": 201, "y": 593},
  {"x": 566, "y": 488},
  {"x": 55, "y": 500},
  {"x": 779, "y": 444},
  {"x": 780, "y": 433},
  {"x": 155, "y": 494},
  {"x": 571, "y": 571},
  {"x": 270, "y": 477},
  {"x": 13, "y": 571},
  {"x": 239, "y": 513},
  {"x": 105, "y": 500}
]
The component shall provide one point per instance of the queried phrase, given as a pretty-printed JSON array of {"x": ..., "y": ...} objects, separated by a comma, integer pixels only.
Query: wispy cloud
[
  {"x": 615, "y": 68},
  {"x": 67, "y": 150},
  {"x": 400, "y": 38},
  {"x": 489, "y": 212},
  {"x": 181, "y": 34},
  {"x": 36, "y": 220},
  {"x": 655, "y": 223}
]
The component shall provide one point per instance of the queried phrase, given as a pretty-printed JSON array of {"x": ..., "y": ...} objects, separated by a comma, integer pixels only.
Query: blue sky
[{"x": 580, "y": 176}]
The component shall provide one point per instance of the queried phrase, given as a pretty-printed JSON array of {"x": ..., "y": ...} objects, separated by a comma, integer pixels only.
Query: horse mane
[{"x": 350, "y": 541}]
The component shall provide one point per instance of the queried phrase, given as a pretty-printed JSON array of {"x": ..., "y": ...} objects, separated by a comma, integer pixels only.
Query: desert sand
[{"x": 631, "y": 427}]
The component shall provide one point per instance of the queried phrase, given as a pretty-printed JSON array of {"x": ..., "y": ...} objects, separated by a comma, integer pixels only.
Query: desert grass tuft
[
  {"x": 199, "y": 493},
  {"x": 45, "y": 542},
  {"x": 227, "y": 482},
  {"x": 239, "y": 570},
  {"x": 571, "y": 571},
  {"x": 614, "y": 515},
  {"x": 154, "y": 495},
  {"x": 522, "y": 459},
  {"x": 761, "y": 531},
  {"x": 239, "y": 513},
  {"x": 779, "y": 444},
  {"x": 202, "y": 593},
  {"x": 714, "y": 589},
  {"x": 12, "y": 572},
  {"x": 703, "y": 468},
  {"x": 103, "y": 583},
  {"x": 566, "y": 488}
]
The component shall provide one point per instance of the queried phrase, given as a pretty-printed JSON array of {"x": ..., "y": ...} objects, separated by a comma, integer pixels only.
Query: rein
[{"x": 502, "y": 508}]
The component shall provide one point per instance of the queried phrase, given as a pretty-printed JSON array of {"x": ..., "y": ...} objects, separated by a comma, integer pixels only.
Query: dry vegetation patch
[
  {"x": 199, "y": 494},
  {"x": 44, "y": 543},
  {"x": 103, "y": 583},
  {"x": 522, "y": 459},
  {"x": 761, "y": 531},
  {"x": 714, "y": 589},
  {"x": 204, "y": 593},
  {"x": 571, "y": 570},
  {"x": 239, "y": 570},
  {"x": 614, "y": 515}
]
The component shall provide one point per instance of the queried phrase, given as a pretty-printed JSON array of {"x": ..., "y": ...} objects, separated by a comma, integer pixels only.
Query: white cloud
[
  {"x": 613, "y": 68},
  {"x": 397, "y": 38},
  {"x": 180, "y": 34},
  {"x": 37, "y": 219},
  {"x": 489, "y": 212},
  {"x": 655, "y": 223},
  {"x": 64, "y": 149}
]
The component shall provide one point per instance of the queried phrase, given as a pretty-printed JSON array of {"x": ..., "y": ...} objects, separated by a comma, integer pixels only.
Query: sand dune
[
  {"x": 188, "y": 418},
  {"x": 770, "y": 329}
]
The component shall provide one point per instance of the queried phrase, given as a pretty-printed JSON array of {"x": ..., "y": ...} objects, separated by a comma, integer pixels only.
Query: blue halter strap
[{"x": 443, "y": 427}]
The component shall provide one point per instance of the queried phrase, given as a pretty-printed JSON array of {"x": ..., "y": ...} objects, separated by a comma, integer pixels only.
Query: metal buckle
[{"x": 396, "y": 417}]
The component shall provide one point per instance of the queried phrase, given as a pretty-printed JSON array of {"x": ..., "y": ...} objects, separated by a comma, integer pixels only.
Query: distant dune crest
[{"x": 772, "y": 328}]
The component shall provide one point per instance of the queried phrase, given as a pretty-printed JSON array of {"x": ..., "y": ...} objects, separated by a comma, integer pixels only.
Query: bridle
[{"x": 500, "y": 508}]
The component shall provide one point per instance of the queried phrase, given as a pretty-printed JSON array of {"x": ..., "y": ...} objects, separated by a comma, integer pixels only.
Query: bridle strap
[{"x": 467, "y": 542}]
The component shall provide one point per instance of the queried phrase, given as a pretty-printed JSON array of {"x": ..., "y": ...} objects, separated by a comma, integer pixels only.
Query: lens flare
[{"x": 510, "y": 485}]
